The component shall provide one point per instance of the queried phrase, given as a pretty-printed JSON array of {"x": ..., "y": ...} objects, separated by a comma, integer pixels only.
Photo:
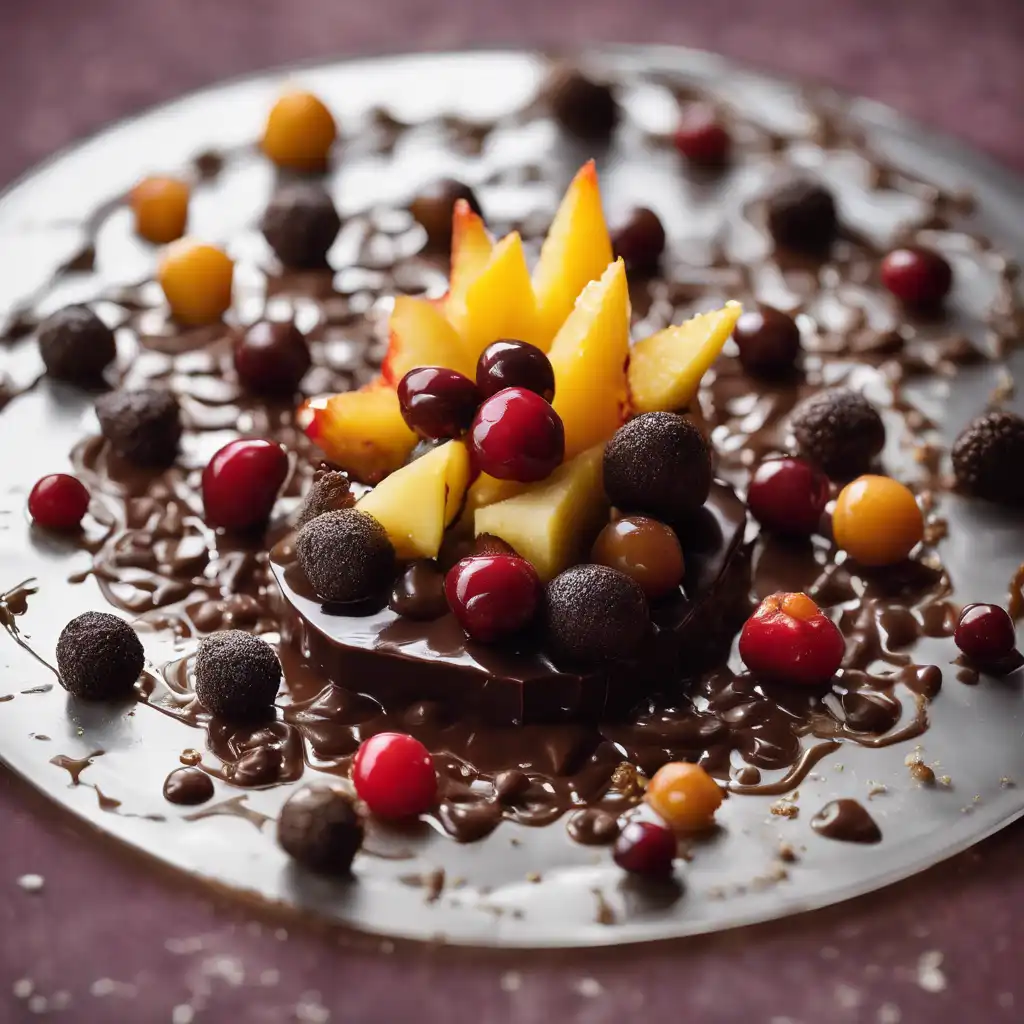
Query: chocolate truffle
[
  {"x": 301, "y": 223},
  {"x": 583, "y": 107},
  {"x": 320, "y": 829},
  {"x": 840, "y": 431},
  {"x": 988, "y": 456},
  {"x": 76, "y": 345},
  {"x": 658, "y": 464},
  {"x": 768, "y": 340},
  {"x": 143, "y": 426},
  {"x": 802, "y": 217},
  {"x": 331, "y": 492},
  {"x": 640, "y": 241},
  {"x": 237, "y": 674},
  {"x": 435, "y": 204},
  {"x": 271, "y": 357},
  {"x": 346, "y": 556},
  {"x": 99, "y": 657}
]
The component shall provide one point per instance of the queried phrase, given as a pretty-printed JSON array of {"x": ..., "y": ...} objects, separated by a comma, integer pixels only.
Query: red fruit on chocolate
[
  {"x": 58, "y": 502},
  {"x": 271, "y": 357},
  {"x": 917, "y": 276},
  {"x": 985, "y": 633},
  {"x": 241, "y": 481},
  {"x": 701, "y": 137},
  {"x": 492, "y": 596},
  {"x": 516, "y": 435},
  {"x": 437, "y": 403},
  {"x": 394, "y": 775},
  {"x": 790, "y": 640},
  {"x": 645, "y": 848},
  {"x": 787, "y": 496}
]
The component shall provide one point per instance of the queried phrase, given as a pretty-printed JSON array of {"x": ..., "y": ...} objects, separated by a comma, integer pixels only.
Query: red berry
[
  {"x": 515, "y": 364},
  {"x": 516, "y": 435},
  {"x": 788, "y": 496},
  {"x": 241, "y": 481},
  {"x": 492, "y": 595},
  {"x": 768, "y": 340},
  {"x": 437, "y": 403},
  {"x": 645, "y": 848},
  {"x": 271, "y": 357},
  {"x": 701, "y": 137},
  {"x": 394, "y": 775},
  {"x": 790, "y": 640},
  {"x": 917, "y": 276},
  {"x": 58, "y": 501},
  {"x": 985, "y": 633}
]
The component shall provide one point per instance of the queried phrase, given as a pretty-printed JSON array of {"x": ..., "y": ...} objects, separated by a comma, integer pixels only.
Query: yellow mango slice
[
  {"x": 471, "y": 251},
  {"x": 421, "y": 335}
]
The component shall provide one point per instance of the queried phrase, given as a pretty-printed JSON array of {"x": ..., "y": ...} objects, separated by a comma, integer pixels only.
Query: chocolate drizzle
[{"x": 848, "y": 821}]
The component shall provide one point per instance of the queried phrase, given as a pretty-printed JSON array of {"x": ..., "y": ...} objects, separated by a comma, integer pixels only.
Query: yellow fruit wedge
[
  {"x": 486, "y": 490},
  {"x": 589, "y": 357},
  {"x": 471, "y": 251},
  {"x": 415, "y": 503},
  {"x": 576, "y": 251},
  {"x": 421, "y": 335},
  {"x": 554, "y": 522},
  {"x": 665, "y": 369}
]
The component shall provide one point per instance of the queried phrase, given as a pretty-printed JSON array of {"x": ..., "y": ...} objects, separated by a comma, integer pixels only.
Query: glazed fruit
[
  {"x": 516, "y": 435},
  {"x": 241, "y": 481},
  {"x": 645, "y": 848},
  {"x": 790, "y": 640},
  {"x": 802, "y": 217},
  {"x": 160, "y": 207},
  {"x": 299, "y": 132},
  {"x": 394, "y": 776},
  {"x": 840, "y": 431},
  {"x": 640, "y": 241},
  {"x": 421, "y": 335},
  {"x": 645, "y": 550},
  {"x": 514, "y": 364},
  {"x": 346, "y": 556},
  {"x": 472, "y": 249},
  {"x": 438, "y": 403},
  {"x": 877, "y": 520},
  {"x": 985, "y": 633},
  {"x": 58, "y": 502},
  {"x": 434, "y": 208},
  {"x": 684, "y": 796},
  {"x": 493, "y": 596},
  {"x": 768, "y": 340},
  {"x": 271, "y": 357},
  {"x": 788, "y": 496},
  {"x": 196, "y": 280},
  {"x": 701, "y": 137},
  {"x": 300, "y": 224},
  {"x": 76, "y": 345},
  {"x": 986, "y": 457},
  {"x": 917, "y": 276}
]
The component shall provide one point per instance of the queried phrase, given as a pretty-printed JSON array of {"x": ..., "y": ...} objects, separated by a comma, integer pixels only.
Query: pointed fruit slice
[
  {"x": 471, "y": 250},
  {"x": 422, "y": 336}
]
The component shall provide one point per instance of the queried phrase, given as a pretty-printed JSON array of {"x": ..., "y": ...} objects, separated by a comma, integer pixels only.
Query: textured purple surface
[{"x": 108, "y": 940}]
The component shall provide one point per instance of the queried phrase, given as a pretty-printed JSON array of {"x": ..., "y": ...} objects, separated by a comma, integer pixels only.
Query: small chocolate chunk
[
  {"x": 594, "y": 614},
  {"x": 434, "y": 206},
  {"x": 319, "y": 828},
  {"x": 640, "y": 241},
  {"x": 331, "y": 492},
  {"x": 802, "y": 217},
  {"x": 419, "y": 592},
  {"x": 76, "y": 345},
  {"x": 301, "y": 223},
  {"x": 580, "y": 105},
  {"x": 143, "y": 426},
  {"x": 99, "y": 657},
  {"x": 659, "y": 464},
  {"x": 988, "y": 456},
  {"x": 188, "y": 786},
  {"x": 346, "y": 556},
  {"x": 237, "y": 674},
  {"x": 840, "y": 431}
]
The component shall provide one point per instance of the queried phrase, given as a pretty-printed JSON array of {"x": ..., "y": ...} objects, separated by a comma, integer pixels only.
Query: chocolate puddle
[{"x": 847, "y": 821}]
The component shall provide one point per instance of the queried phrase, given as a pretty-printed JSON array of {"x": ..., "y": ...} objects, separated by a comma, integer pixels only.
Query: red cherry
[
  {"x": 985, "y": 633},
  {"x": 492, "y": 595},
  {"x": 645, "y": 848},
  {"x": 516, "y": 435},
  {"x": 701, "y": 137},
  {"x": 271, "y": 357},
  {"x": 58, "y": 501},
  {"x": 768, "y": 340},
  {"x": 394, "y": 775},
  {"x": 788, "y": 496},
  {"x": 508, "y": 363},
  {"x": 790, "y": 640},
  {"x": 437, "y": 403},
  {"x": 241, "y": 481},
  {"x": 917, "y": 276}
]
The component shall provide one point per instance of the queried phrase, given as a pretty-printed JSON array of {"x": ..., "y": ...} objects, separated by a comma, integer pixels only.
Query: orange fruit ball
[
  {"x": 299, "y": 132},
  {"x": 877, "y": 521},
  {"x": 196, "y": 280},
  {"x": 684, "y": 795},
  {"x": 160, "y": 206}
]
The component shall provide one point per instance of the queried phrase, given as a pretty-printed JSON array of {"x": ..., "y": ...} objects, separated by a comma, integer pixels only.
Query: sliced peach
[
  {"x": 471, "y": 251},
  {"x": 421, "y": 335}
]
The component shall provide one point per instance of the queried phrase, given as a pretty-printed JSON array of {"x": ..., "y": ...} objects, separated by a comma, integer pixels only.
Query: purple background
[{"x": 108, "y": 939}]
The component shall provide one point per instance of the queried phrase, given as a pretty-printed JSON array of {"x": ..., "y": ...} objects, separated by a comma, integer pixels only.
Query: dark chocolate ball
[
  {"x": 435, "y": 204},
  {"x": 988, "y": 456},
  {"x": 99, "y": 657},
  {"x": 237, "y": 674},
  {"x": 839, "y": 431},
  {"x": 583, "y": 107},
  {"x": 640, "y": 241},
  {"x": 301, "y": 223},
  {"x": 76, "y": 345},
  {"x": 346, "y": 556},
  {"x": 594, "y": 614},
  {"x": 331, "y": 492},
  {"x": 271, "y": 357},
  {"x": 143, "y": 426},
  {"x": 658, "y": 464},
  {"x": 768, "y": 340},
  {"x": 320, "y": 828},
  {"x": 802, "y": 217}
]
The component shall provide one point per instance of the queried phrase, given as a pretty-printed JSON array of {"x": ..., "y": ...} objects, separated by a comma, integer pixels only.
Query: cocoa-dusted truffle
[
  {"x": 237, "y": 674},
  {"x": 143, "y": 426},
  {"x": 76, "y": 345},
  {"x": 594, "y": 614},
  {"x": 580, "y": 105},
  {"x": 659, "y": 464},
  {"x": 346, "y": 556},
  {"x": 301, "y": 223},
  {"x": 319, "y": 828},
  {"x": 435, "y": 204},
  {"x": 802, "y": 217},
  {"x": 99, "y": 657},
  {"x": 331, "y": 492},
  {"x": 988, "y": 456},
  {"x": 840, "y": 431}
]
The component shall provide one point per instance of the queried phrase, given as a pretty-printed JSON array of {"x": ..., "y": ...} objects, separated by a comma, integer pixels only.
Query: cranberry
[
  {"x": 701, "y": 137},
  {"x": 788, "y": 496},
  {"x": 789, "y": 639},
  {"x": 241, "y": 481},
  {"x": 640, "y": 241},
  {"x": 492, "y": 596},
  {"x": 516, "y": 435},
  {"x": 768, "y": 340},
  {"x": 917, "y": 276},
  {"x": 272, "y": 357},
  {"x": 515, "y": 364},
  {"x": 394, "y": 775},
  {"x": 645, "y": 848},
  {"x": 58, "y": 501},
  {"x": 436, "y": 402},
  {"x": 985, "y": 633}
]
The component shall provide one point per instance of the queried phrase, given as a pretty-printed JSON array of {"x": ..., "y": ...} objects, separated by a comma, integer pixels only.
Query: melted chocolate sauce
[{"x": 848, "y": 821}]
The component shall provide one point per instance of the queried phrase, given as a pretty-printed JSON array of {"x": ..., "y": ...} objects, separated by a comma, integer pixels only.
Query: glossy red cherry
[
  {"x": 516, "y": 435},
  {"x": 241, "y": 481},
  {"x": 645, "y": 848},
  {"x": 394, "y": 775},
  {"x": 701, "y": 137},
  {"x": 985, "y": 633},
  {"x": 271, "y": 357},
  {"x": 787, "y": 496},
  {"x": 437, "y": 403},
  {"x": 58, "y": 502},
  {"x": 917, "y": 276},
  {"x": 790, "y": 640},
  {"x": 492, "y": 596},
  {"x": 768, "y": 340},
  {"x": 514, "y": 364}
]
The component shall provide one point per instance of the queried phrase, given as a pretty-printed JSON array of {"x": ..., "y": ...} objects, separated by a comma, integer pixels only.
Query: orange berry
[
  {"x": 160, "y": 206},
  {"x": 196, "y": 279},
  {"x": 299, "y": 132},
  {"x": 684, "y": 795},
  {"x": 877, "y": 521}
]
